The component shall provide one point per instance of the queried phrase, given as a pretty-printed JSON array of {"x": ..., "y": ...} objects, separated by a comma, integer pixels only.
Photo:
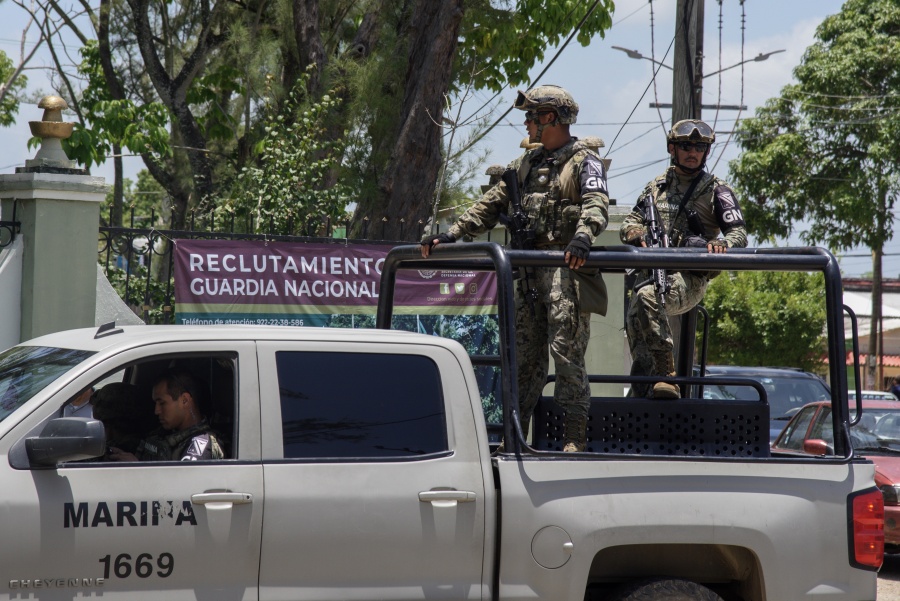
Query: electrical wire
[
  {"x": 637, "y": 104},
  {"x": 653, "y": 59},
  {"x": 631, "y": 14},
  {"x": 719, "y": 77},
  {"x": 538, "y": 78},
  {"x": 741, "y": 104}
]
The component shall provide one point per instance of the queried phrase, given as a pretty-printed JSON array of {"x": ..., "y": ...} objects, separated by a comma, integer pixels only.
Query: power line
[
  {"x": 541, "y": 74},
  {"x": 631, "y": 14}
]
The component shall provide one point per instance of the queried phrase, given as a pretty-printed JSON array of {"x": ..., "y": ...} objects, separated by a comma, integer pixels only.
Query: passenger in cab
[{"x": 126, "y": 418}]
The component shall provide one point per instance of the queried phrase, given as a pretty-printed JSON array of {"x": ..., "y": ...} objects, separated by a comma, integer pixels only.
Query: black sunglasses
[
  {"x": 536, "y": 115},
  {"x": 698, "y": 146}
]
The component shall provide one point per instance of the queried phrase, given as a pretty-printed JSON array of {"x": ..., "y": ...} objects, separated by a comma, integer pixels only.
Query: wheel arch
[{"x": 731, "y": 571}]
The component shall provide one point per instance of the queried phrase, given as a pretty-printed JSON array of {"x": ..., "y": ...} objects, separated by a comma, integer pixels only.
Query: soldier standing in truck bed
[{"x": 564, "y": 206}]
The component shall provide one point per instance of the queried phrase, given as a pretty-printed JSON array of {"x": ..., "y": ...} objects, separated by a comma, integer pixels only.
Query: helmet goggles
[
  {"x": 692, "y": 130},
  {"x": 547, "y": 98}
]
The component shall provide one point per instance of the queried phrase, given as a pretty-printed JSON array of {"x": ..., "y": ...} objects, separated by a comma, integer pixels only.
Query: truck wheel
[{"x": 666, "y": 590}]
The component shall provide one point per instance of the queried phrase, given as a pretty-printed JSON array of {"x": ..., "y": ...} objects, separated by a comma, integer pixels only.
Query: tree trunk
[
  {"x": 118, "y": 202},
  {"x": 873, "y": 365},
  {"x": 172, "y": 91},
  {"x": 410, "y": 177},
  {"x": 309, "y": 43}
]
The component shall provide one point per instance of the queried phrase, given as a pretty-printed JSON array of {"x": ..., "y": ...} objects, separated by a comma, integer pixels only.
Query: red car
[{"x": 876, "y": 437}]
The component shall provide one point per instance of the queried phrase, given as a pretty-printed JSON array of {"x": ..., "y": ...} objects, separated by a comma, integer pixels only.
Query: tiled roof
[{"x": 887, "y": 360}]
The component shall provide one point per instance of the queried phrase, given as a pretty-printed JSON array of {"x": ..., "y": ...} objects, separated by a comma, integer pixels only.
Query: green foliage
[
  {"x": 143, "y": 294},
  {"x": 222, "y": 81},
  {"x": 9, "y": 102},
  {"x": 142, "y": 128},
  {"x": 144, "y": 198},
  {"x": 501, "y": 41},
  {"x": 828, "y": 148},
  {"x": 767, "y": 318},
  {"x": 479, "y": 335},
  {"x": 290, "y": 180}
]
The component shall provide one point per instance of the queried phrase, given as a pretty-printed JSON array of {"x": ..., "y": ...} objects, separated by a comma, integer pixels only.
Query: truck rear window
[
  {"x": 26, "y": 370},
  {"x": 360, "y": 405}
]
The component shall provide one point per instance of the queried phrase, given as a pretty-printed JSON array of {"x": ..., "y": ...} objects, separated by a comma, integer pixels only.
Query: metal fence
[{"x": 138, "y": 259}]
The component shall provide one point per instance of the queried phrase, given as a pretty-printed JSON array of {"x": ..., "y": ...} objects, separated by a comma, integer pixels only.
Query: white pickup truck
[{"x": 358, "y": 466}]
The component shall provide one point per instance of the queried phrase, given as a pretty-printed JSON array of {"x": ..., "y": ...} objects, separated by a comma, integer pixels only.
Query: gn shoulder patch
[
  {"x": 593, "y": 175},
  {"x": 728, "y": 212}
]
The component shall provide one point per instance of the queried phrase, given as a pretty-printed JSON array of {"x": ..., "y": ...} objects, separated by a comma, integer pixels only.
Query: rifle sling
[{"x": 684, "y": 201}]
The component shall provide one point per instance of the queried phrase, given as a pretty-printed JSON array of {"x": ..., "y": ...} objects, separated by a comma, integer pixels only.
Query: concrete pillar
[{"x": 58, "y": 206}]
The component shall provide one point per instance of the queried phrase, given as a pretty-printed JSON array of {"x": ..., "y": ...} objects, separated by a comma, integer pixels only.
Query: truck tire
[{"x": 666, "y": 590}]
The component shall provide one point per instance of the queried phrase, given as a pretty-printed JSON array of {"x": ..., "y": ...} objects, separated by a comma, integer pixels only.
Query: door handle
[
  {"x": 221, "y": 500},
  {"x": 446, "y": 498}
]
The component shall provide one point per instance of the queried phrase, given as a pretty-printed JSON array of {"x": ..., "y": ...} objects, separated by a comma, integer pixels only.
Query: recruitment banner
[{"x": 286, "y": 283}]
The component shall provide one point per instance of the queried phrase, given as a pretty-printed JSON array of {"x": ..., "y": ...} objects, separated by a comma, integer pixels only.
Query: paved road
[{"x": 889, "y": 579}]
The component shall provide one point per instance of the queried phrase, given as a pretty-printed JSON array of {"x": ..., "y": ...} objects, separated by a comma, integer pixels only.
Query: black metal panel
[{"x": 686, "y": 427}]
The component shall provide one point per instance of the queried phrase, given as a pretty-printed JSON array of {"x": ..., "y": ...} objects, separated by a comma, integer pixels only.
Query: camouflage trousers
[
  {"x": 558, "y": 325},
  {"x": 649, "y": 333}
]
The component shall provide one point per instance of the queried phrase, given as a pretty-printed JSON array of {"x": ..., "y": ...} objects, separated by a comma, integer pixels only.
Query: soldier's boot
[
  {"x": 575, "y": 434},
  {"x": 526, "y": 423},
  {"x": 665, "y": 364}
]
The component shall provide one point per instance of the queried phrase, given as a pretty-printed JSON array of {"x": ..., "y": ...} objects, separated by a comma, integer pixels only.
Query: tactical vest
[
  {"x": 171, "y": 446},
  {"x": 672, "y": 209},
  {"x": 551, "y": 196}
]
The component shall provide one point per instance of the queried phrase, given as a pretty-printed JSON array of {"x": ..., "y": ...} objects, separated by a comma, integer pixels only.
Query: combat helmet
[
  {"x": 549, "y": 97},
  {"x": 691, "y": 130}
]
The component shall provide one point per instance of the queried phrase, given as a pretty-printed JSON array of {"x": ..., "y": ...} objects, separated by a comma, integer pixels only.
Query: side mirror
[
  {"x": 66, "y": 439},
  {"x": 815, "y": 446}
]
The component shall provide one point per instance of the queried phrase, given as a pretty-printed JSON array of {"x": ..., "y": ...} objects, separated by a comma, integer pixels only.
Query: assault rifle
[
  {"x": 521, "y": 237},
  {"x": 656, "y": 238}
]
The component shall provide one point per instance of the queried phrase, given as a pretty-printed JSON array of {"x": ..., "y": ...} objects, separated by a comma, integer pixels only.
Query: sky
[{"x": 614, "y": 91}]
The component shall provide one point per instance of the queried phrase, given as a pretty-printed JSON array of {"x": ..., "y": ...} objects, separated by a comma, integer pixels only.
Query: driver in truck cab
[{"x": 184, "y": 434}]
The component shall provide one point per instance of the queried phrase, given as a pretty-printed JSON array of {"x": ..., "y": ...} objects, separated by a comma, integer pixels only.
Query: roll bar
[{"x": 490, "y": 256}]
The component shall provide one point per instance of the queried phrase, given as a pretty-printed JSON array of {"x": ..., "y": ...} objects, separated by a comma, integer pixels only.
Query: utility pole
[
  {"x": 687, "y": 103},
  {"x": 687, "y": 78}
]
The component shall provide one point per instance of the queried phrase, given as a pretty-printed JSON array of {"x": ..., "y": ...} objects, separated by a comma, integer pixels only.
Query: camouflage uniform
[
  {"x": 194, "y": 443},
  {"x": 563, "y": 193},
  {"x": 711, "y": 210}
]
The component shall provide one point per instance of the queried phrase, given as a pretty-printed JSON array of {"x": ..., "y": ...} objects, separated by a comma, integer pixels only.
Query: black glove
[
  {"x": 718, "y": 243},
  {"x": 580, "y": 246},
  {"x": 442, "y": 238},
  {"x": 694, "y": 242}
]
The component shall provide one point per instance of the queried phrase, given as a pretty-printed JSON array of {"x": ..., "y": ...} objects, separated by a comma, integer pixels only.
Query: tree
[
  {"x": 390, "y": 66},
  {"x": 286, "y": 187},
  {"x": 12, "y": 83},
  {"x": 767, "y": 318},
  {"x": 827, "y": 150}
]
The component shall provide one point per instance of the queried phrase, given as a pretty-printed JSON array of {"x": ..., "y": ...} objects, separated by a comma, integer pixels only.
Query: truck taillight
[{"x": 867, "y": 529}]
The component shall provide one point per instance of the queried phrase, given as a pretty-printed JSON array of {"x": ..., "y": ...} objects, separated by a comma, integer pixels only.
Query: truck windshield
[{"x": 26, "y": 370}]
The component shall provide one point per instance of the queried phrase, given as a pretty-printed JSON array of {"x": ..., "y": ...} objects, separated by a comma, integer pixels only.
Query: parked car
[
  {"x": 874, "y": 395},
  {"x": 787, "y": 390},
  {"x": 876, "y": 437}
]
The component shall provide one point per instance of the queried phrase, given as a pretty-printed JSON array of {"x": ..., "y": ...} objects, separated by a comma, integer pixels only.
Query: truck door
[
  {"x": 374, "y": 483},
  {"x": 161, "y": 530}
]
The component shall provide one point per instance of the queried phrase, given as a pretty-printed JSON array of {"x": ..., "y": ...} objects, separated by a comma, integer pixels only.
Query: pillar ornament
[{"x": 51, "y": 129}]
